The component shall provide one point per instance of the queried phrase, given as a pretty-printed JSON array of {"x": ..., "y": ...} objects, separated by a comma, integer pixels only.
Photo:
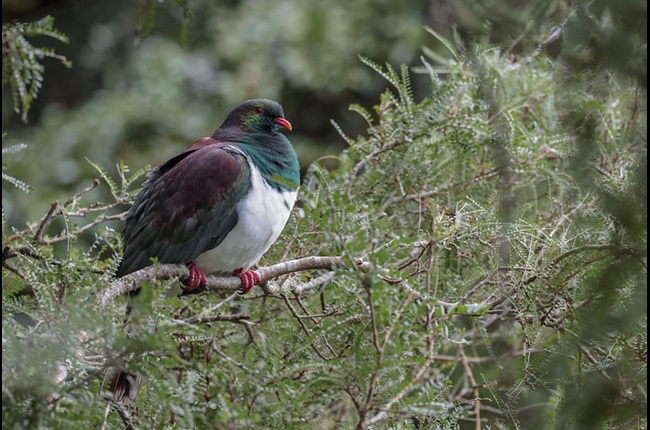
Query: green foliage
[
  {"x": 147, "y": 17},
  {"x": 495, "y": 245},
  {"x": 5, "y": 176},
  {"x": 142, "y": 96},
  {"x": 21, "y": 61},
  {"x": 471, "y": 195}
]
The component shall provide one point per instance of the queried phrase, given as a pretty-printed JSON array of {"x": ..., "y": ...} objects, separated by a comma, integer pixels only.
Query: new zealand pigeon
[{"x": 218, "y": 205}]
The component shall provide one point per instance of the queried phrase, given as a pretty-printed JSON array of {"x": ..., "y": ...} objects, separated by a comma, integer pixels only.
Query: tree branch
[
  {"x": 57, "y": 209},
  {"x": 233, "y": 283}
]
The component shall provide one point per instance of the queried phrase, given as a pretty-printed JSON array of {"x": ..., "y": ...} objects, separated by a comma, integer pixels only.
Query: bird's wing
[{"x": 187, "y": 206}]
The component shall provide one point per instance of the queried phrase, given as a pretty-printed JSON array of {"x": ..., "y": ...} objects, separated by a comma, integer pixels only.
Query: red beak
[{"x": 283, "y": 123}]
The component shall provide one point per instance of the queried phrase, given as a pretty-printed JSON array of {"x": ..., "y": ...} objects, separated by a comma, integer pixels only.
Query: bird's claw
[
  {"x": 196, "y": 278},
  {"x": 249, "y": 279}
]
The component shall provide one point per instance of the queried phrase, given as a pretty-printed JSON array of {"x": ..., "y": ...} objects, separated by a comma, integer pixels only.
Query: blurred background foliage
[
  {"x": 150, "y": 77},
  {"x": 146, "y": 82}
]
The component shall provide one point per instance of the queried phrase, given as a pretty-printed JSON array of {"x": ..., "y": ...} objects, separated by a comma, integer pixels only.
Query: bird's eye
[{"x": 258, "y": 110}]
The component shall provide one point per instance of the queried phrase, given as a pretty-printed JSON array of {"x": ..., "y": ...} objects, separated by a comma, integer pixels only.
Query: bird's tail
[{"x": 124, "y": 386}]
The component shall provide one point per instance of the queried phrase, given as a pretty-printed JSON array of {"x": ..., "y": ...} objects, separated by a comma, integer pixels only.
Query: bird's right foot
[{"x": 249, "y": 278}]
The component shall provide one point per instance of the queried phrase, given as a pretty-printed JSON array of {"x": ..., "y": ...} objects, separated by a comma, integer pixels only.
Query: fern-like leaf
[
  {"x": 450, "y": 46},
  {"x": 377, "y": 68},
  {"x": 342, "y": 133},
  {"x": 21, "y": 61},
  {"x": 13, "y": 149},
  {"x": 115, "y": 190},
  {"x": 363, "y": 112}
]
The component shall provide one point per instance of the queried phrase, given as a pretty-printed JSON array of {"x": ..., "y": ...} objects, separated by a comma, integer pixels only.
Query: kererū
[{"x": 217, "y": 206}]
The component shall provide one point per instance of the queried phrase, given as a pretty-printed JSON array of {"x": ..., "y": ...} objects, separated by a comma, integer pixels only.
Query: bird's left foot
[
  {"x": 249, "y": 279},
  {"x": 196, "y": 279}
]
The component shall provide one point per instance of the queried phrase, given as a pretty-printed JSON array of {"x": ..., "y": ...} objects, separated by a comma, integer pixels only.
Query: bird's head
[{"x": 258, "y": 115}]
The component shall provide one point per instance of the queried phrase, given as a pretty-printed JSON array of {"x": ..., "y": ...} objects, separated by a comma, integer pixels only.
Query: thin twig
[
  {"x": 126, "y": 417},
  {"x": 416, "y": 196},
  {"x": 38, "y": 237},
  {"x": 202, "y": 319},
  {"x": 476, "y": 287},
  {"x": 9, "y": 252},
  {"x": 96, "y": 221},
  {"x": 306, "y": 330},
  {"x": 57, "y": 209},
  {"x": 474, "y": 386},
  {"x": 421, "y": 372}
]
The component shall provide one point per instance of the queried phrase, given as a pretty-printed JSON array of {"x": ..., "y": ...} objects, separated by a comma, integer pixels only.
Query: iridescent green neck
[{"x": 275, "y": 158}]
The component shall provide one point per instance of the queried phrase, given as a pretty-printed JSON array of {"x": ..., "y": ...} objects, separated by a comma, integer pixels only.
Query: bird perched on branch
[{"x": 216, "y": 207}]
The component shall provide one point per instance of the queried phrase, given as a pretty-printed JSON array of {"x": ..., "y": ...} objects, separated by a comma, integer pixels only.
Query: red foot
[
  {"x": 248, "y": 278},
  {"x": 196, "y": 279}
]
